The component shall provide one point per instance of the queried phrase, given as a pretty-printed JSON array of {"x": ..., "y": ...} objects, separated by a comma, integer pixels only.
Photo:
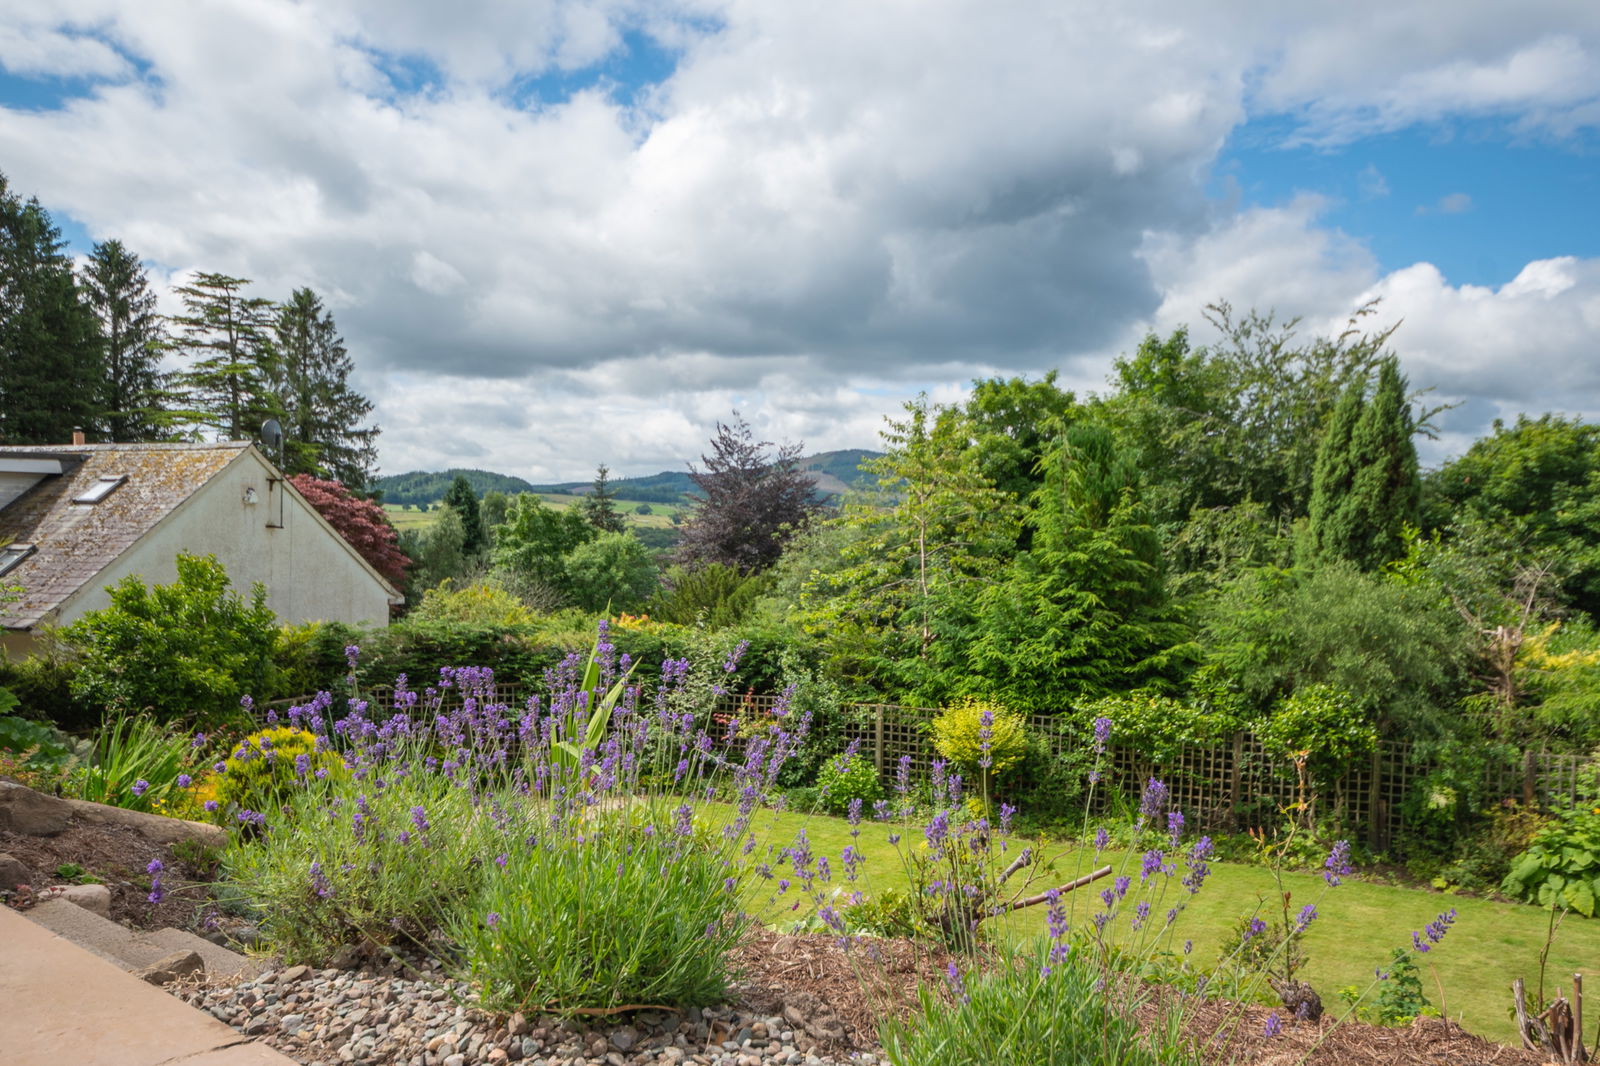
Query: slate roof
[{"x": 75, "y": 542}]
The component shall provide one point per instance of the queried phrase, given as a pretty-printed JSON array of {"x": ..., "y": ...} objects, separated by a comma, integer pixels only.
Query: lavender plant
[{"x": 567, "y": 855}]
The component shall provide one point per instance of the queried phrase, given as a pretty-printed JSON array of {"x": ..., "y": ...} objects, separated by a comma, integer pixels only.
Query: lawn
[{"x": 1358, "y": 928}]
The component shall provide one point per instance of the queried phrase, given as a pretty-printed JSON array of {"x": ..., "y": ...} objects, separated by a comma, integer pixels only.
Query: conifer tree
[
  {"x": 1366, "y": 487},
  {"x": 600, "y": 507},
  {"x": 51, "y": 370},
  {"x": 461, "y": 499},
  {"x": 227, "y": 385},
  {"x": 136, "y": 396},
  {"x": 322, "y": 415}
]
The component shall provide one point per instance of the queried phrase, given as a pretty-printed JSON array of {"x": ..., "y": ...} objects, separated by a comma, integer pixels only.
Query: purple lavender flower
[
  {"x": 1153, "y": 802},
  {"x": 986, "y": 737},
  {"x": 140, "y": 786},
  {"x": 1007, "y": 812},
  {"x": 1140, "y": 913},
  {"x": 1198, "y": 869},
  {"x": 1308, "y": 914},
  {"x": 1154, "y": 862},
  {"x": 198, "y": 741},
  {"x": 1174, "y": 826},
  {"x": 492, "y": 919},
  {"x": 352, "y": 653},
  {"x": 419, "y": 818},
  {"x": 1337, "y": 864},
  {"x": 501, "y": 860},
  {"x": 211, "y": 806},
  {"x": 1102, "y": 839},
  {"x": 319, "y": 881},
  {"x": 958, "y": 987},
  {"x": 937, "y": 830},
  {"x": 902, "y": 775},
  {"x": 1434, "y": 932},
  {"x": 184, "y": 781},
  {"x": 1102, "y": 734},
  {"x": 1273, "y": 1026},
  {"x": 1253, "y": 930},
  {"x": 155, "y": 867}
]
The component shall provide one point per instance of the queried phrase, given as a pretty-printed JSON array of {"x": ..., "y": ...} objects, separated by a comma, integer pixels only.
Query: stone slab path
[{"x": 61, "y": 1004}]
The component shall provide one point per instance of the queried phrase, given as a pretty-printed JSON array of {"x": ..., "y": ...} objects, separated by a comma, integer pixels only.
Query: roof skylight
[
  {"x": 12, "y": 554},
  {"x": 101, "y": 489}
]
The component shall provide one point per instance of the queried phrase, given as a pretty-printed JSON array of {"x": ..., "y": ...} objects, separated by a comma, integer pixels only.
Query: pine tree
[
  {"x": 51, "y": 369},
  {"x": 460, "y": 498},
  {"x": 226, "y": 334},
  {"x": 322, "y": 414},
  {"x": 1366, "y": 488},
  {"x": 136, "y": 395},
  {"x": 599, "y": 507}
]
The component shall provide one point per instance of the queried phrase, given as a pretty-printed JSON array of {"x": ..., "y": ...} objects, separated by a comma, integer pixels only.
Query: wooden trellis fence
[{"x": 1233, "y": 785}]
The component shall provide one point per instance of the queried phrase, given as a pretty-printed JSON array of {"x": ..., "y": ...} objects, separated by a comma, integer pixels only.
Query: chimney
[{"x": 77, "y": 436}]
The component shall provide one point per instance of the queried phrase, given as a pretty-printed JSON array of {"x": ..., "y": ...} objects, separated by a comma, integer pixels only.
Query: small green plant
[
  {"x": 1401, "y": 999},
  {"x": 1050, "y": 1008},
  {"x": 46, "y": 748},
  {"x": 1561, "y": 867},
  {"x": 71, "y": 871},
  {"x": 846, "y": 778}
]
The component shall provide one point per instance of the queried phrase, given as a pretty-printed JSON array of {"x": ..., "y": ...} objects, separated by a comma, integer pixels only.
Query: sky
[{"x": 567, "y": 232}]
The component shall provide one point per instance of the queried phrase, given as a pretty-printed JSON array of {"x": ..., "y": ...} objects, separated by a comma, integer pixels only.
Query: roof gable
[{"x": 74, "y": 542}]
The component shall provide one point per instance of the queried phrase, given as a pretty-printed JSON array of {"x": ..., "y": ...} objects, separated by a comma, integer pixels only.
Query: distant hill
[
  {"x": 832, "y": 472},
  {"x": 421, "y": 487}
]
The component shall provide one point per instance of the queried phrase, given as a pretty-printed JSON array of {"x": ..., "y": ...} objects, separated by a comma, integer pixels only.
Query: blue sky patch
[
  {"x": 1470, "y": 197},
  {"x": 627, "y": 71}
]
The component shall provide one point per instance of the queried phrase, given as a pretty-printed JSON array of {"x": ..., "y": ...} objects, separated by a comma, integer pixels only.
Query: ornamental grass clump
[{"x": 568, "y": 855}]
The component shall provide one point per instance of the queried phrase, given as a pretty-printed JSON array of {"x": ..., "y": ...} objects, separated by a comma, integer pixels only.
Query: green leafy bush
[
  {"x": 846, "y": 777},
  {"x": 1326, "y": 722},
  {"x": 1561, "y": 867},
  {"x": 973, "y": 731},
  {"x": 184, "y": 651},
  {"x": 1158, "y": 726}
]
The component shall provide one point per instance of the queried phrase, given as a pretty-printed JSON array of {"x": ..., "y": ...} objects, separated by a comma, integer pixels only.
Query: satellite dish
[{"x": 272, "y": 438}]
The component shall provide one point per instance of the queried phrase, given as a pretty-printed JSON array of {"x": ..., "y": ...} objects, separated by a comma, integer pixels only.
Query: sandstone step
[{"x": 131, "y": 949}]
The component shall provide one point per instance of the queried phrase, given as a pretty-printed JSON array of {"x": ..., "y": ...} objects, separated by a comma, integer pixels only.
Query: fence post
[
  {"x": 1530, "y": 778},
  {"x": 1377, "y": 810},
  {"x": 877, "y": 737},
  {"x": 1236, "y": 781}
]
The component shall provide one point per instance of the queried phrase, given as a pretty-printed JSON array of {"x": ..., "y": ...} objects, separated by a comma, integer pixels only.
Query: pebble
[{"x": 330, "y": 1017}]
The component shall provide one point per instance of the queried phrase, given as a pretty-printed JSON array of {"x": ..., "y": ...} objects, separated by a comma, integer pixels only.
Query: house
[{"x": 77, "y": 518}]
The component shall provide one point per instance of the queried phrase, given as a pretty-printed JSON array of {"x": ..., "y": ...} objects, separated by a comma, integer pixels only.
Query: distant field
[{"x": 659, "y": 518}]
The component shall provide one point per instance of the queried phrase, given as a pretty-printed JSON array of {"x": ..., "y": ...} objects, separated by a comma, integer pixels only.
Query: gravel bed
[{"x": 332, "y": 1017}]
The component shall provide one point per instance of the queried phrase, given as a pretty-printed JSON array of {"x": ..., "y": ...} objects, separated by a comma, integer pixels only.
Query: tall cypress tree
[
  {"x": 51, "y": 370},
  {"x": 1366, "y": 487},
  {"x": 464, "y": 502},
  {"x": 227, "y": 335},
  {"x": 136, "y": 396},
  {"x": 323, "y": 417}
]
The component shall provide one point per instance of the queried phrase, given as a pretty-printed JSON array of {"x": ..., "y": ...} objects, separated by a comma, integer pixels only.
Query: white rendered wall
[{"x": 309, "y": 572}]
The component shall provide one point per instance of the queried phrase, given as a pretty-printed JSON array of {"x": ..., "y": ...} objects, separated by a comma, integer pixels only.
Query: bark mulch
[{"x": 836, "y": 993}]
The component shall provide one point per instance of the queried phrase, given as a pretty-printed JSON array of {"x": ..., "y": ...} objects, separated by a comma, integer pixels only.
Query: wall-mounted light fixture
[{"x": 250, "y": 495}]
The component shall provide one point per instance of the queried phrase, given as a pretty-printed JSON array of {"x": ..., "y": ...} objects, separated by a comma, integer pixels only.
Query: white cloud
[{"x": 825, "y": 207}]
